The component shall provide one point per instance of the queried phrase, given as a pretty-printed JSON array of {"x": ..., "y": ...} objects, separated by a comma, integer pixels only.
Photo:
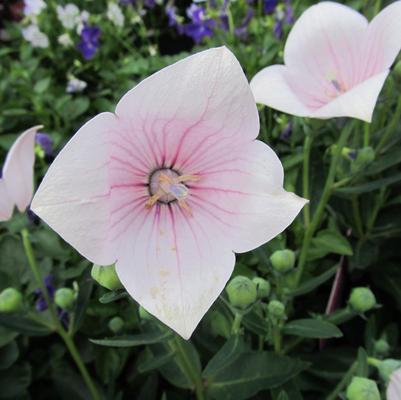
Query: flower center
[{"x": 167, "y": 185}]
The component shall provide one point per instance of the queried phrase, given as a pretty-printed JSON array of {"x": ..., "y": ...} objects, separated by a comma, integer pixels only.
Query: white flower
[
  {"x": 33, "y": 35},
  {"x": 84, "y": 17},
  {"x": 33, "y": 7},
  {"x": 68, "y": 15},
  {"x": 115, "y": 15},
  {"x": 65, "y": 40},
  {"x": 75, "y": 85}
]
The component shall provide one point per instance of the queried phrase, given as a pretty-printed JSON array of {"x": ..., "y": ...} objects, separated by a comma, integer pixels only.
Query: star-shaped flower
[
  {"x": 336, "y": 63},
  {"x": 170, "y": 186}
]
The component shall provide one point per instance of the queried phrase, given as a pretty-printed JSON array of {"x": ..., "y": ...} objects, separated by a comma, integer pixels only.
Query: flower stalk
[
  {"x": 66, "y": 336},
  {"x": 325, "y": 197}
]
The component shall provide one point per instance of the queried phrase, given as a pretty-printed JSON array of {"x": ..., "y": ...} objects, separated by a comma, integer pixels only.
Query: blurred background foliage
[{"x": 59, "y": 70}]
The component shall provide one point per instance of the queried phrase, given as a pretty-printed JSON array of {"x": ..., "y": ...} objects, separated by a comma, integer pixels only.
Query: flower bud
[
  {"x": 10, "y": 300},
  {"x": 65, "y": 298},
  {"x": 116, "y": 324},
  {"x": 106, "y": 276},
  {"x": 143, "y": 314},
  {"x": 219, "y": 325},
  {"x": 262, "y": 287},
  {"x": 362, "y": 299},
  {"x": 283, "y": 260},
  {"x": 241, "y": 292},
  {"x": 382, "y": 347},
  {"x": 276, "y": 310},
  {"x": 387, "y": 367},
  {"x": 364, "y": 157},
  {"x": 362, "y": 389}
]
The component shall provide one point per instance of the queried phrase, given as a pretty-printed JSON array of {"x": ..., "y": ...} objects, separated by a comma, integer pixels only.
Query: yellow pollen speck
[{"x": 154, "y": 292}]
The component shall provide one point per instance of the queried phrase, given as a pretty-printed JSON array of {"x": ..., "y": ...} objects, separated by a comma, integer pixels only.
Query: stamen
[{"x": 166, "y": 186}]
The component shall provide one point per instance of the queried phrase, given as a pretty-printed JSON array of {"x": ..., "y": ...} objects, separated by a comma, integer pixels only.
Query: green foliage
[{"x": 284, "y": 337}]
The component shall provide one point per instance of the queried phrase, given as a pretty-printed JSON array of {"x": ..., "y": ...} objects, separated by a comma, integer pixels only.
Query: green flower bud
[
  {"x": 364, "y": 157},
  {"x": 387, "y": 367},
  {"x": 143, "y": 314},
  {"x": 10, "y": 300},
  {"x": 65, "y": 298},
  {"x": 276, "y": 310},
  {"x": 362, "y": 299},
  {"x": 116, "y": 324},
  {"x": 241, "y": 292},
  {"x": 283, "y": 260},
  {"x": 262, "y": 287},
  {"x": 106, "y": 276},
  {"x": 362, "y": 389},
  {"x": 382, "y": 347},
  {"x": 219, "y": 325}
]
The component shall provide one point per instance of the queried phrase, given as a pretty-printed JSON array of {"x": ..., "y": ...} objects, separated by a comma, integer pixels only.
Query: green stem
[
  {"x": 187, "y": 367},
  {"x": 57, "y": 325},
  {"x": 277, "y": 339},
  {"x": 236, "y": 324},
  {"x": 325, "y": 197},
  {"x": 357, "y": 215},
  {"x": 391, "y": 127},
  {"x": 366, "y": 135},
  {"x": 343, "y": 383},
  {"x": 305, "y": 176}
]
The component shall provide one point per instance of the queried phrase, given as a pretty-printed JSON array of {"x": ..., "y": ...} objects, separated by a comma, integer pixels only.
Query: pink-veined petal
[
  {"x": 383, "y": 41},
  {"x": 74, "y": 196},
  {"x": 190, "y": 107},
  {"x": 270, "y": 87},
  {"x": 18, "y": 169},
  {"x": 243, "y": 199},
  {"x": 359, "y": 102},
  {"x": 326, "y": 43},
  {"x": 6, "y": 204},
  {"x": 172, "y": 265},
  {"x": 394, "y": 387}
]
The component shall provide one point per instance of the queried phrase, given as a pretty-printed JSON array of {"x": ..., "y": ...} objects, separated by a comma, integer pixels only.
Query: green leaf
[
  {"x": 312, "y": 328},
  {"x": 329, "y": 241},
  {"x": 255, "y": 323},
  {"x": 133, "y": 340},
  {"x": 384, "y": 162},
  {"x": 226, "y": 355},
  {"x": 113, "y": 296},
  {"x": 151, "y": 363},
  {"x": 252, "y": 372},
  {"x": 373, "y": 185},
  {"x": 313, "y": 283},
  {"x": 8, "y": 355},
  {"x": 41, "y": 86},
  {"x": 6, "y": 336},
  {"x": 23, "y": 325},
  {"x": 14, "y": 381}
]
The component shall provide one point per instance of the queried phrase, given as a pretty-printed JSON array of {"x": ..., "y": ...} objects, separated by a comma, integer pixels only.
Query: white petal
[
  {"x": 18, "y": 169},
  {"x": 359, "y": 102},
  {"x": 271, "y": 88},
  {"x": 173, "y": 267},
  {"x": 199, "y": 101},
  {"x": 6, "y": 204},
  {"x": 74, "y": 195},
  {"x": 394, "y": 387}
]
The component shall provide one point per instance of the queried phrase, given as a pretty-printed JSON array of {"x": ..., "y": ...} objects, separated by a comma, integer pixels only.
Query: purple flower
[
  {"x": 41, "y": 304},
  {"x": 89, "y": 42},
  {"x": 200, "y": 26},
  {"x": 149, "y": 3},
  {"x": 45, "y": 142},
  {"x": 283, "y": 16},
  {"x": 241, "y": 31},
  {"x": 269, "y": 6},
  {"x": 286, "y": 132},
  {"x": 173, "y": 21}
]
